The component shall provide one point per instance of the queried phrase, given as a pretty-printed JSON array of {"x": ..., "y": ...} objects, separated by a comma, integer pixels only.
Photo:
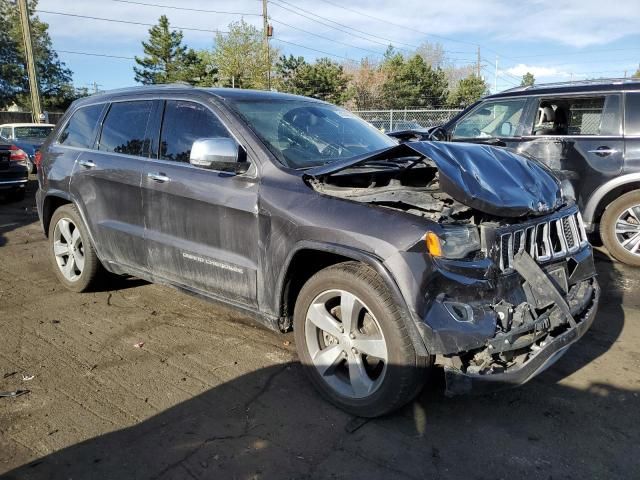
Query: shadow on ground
[
  {"x": 17, "y": 213},
  {"x": 271, "y": 424}
]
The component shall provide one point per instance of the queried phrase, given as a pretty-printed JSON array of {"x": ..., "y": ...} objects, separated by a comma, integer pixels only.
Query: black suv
[
  {"x": 588, "y": 133},
  {"x": 385, "y": 258}
]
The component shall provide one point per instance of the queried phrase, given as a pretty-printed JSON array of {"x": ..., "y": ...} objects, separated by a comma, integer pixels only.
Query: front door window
[{"x": 490, "y": 120}]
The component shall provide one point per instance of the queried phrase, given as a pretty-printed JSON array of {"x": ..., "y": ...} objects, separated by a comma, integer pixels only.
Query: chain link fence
[{"x": 390, "y": 120}]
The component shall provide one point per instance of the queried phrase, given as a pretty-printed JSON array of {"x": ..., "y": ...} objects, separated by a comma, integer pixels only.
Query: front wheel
[
  {"x": 73, "y": 258},
  {"x": 620, "y": 228},
  {"x": 353, "y": 342}
]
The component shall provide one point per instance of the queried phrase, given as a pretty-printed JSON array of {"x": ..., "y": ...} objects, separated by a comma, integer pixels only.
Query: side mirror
[
  {"x": 505, "y": 129},
  {"x": 217, "y": 154},
  {"x": 484, "y": 111}
]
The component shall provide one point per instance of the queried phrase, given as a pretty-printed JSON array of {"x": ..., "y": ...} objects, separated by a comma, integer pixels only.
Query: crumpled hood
[{"x": 493, "y": 180}]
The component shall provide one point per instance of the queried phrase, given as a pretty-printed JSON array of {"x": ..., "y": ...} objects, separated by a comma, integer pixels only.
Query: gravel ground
[{"x": 211, "y": 395}]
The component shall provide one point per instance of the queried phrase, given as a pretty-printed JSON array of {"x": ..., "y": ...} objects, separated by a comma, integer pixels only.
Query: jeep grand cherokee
[{"x": 386, "y": 259}]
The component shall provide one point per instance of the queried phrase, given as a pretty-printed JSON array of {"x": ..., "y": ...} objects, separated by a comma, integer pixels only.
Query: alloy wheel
[
  {"x": 628, "y": 229},
  {"x": 68, "y": 249},
  {"x": 346, "y": 344}
]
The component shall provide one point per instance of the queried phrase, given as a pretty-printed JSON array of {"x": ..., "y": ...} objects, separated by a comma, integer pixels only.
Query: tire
[
  {"x": 626, "y": 209},
  {"x": 80, "y": 268},
  {"x": 359, "y": 383},
  {"x": 31, "y": 166}
]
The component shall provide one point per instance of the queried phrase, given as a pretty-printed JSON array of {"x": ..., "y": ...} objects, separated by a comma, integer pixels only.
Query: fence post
[{"x": 390, "y": 120}]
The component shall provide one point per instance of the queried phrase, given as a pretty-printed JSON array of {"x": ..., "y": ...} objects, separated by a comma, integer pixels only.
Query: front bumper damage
[{"x": 516, "y": 327}]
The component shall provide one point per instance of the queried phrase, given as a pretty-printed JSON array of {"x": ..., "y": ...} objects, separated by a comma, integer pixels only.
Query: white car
[{"x": 28, "y": 137}]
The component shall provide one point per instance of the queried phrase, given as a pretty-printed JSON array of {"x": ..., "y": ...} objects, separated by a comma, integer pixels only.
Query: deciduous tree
[
  {"x": 241, "y": 58},
  {"x": 54, "y": 77}
]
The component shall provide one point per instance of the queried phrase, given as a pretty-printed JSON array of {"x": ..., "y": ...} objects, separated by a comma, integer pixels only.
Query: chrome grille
[{"x": 552, "y": 239}]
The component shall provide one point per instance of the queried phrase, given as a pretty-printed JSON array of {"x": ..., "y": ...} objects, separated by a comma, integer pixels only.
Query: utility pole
[
  {"x": 266, "y": 35},
  {"x": 478, "y": 65},
  {"x": 495, "y": 78},
  {"x": 31, "y": 66}
]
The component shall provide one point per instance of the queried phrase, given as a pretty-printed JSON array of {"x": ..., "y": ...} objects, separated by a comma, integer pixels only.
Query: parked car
[
  {"x": 28, "y": 137},
  {"x": 588, "y": 133},
  {"x": 396, "y": 125},
  {"x": 385, "y": 258},
  {"x": 13, "y": 170}
]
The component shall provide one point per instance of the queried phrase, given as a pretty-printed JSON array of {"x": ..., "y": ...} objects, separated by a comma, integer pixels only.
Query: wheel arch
[
  {"x": 54, "y": 200},
  {"x": 605, "y": 194},
  {"x": 50, "y": 204},
  {"x": 308, "y": 258}
]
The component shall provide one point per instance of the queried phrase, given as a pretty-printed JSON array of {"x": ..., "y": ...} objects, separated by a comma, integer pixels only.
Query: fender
[
  {"x": 374, "y": 262},
  {"x": 71, "y": 199},
  {"x": 589, "y": 210}
]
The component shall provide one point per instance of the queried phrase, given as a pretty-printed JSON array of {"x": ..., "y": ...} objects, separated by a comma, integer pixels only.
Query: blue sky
[{"x": 556, "y": 40}]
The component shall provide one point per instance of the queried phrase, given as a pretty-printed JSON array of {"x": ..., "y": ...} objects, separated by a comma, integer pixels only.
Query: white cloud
[{"x": 537, "y": 71}]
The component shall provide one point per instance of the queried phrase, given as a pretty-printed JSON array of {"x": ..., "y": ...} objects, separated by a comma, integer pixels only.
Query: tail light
[
  {"x": 17, "y": 154},
  {"x": 37, "y": 158}
]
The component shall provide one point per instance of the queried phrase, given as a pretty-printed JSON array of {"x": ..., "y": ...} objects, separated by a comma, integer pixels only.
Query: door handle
[
  {"x": 603, "y": 151},
  {"x": 87, "y": 164},
  {"x": 158, "y": 177}
]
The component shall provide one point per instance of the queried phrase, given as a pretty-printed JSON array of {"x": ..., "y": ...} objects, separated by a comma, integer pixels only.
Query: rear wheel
[
  {"x": 73, "y": 258},
  {"x": 620, "y": 228},
  {"x": 354, "y": 344}
]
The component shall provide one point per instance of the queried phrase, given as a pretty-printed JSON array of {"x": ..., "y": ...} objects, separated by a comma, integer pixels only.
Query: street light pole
[{"x": 31, "y": 66}]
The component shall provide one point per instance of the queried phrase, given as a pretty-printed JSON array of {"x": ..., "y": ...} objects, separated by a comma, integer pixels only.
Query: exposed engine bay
[
  {"x": 416, "y": 191},
  {"x": 443, "y": 181}
]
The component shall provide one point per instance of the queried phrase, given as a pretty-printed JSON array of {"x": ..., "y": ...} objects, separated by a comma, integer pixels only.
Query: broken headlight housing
[{"x": 453, "y": 241}]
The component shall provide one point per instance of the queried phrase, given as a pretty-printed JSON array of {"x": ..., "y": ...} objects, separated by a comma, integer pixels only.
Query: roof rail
[{"x": 576, "y": 83}]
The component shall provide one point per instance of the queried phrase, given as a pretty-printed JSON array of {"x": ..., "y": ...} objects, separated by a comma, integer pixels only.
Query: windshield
[
  {"x": 304, "y": 134},
  {"x": 31, "y": 132}
]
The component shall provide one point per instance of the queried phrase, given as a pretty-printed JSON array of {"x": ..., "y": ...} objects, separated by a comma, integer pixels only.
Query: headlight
[{"x": 455, "y": 241}]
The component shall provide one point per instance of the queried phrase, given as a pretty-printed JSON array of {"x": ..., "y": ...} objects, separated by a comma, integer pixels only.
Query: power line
[
  {"x": 312, "y": 49},
  {"x": 386, "y": 42},
  {"x": 201, "y": 10},
  {"x": 125, "y": 21},
  {"x": 386, "y": 21},
  {"x": 326, "y": 38},
  {"x": 92, "y": 54}
]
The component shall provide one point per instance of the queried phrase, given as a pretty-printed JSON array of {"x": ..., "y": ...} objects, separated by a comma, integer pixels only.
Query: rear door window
[
  {"x": 632, "y": 115},
  {"x": 579, "y": 116},
  {"x": 185, "y": 122},
  {"x": 124, "y": 129},
  {"x": 80, "y": 130},
  {"x": 499, "y": 118}
]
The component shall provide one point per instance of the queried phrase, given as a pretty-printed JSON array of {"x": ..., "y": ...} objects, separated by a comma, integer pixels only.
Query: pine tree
[
  {"x": 469, "y": 90},
  {"x": 166, "y": 59}
]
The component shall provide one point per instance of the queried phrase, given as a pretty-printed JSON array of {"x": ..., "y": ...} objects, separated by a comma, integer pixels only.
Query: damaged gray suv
[{"x": 386, "y": 259}]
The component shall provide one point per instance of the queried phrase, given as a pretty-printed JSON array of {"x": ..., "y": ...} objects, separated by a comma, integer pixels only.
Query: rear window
[
  {"x": 32, "y": 132},
  {"x": 632, "y": 114},
  {"x": 124, "y": 130},
  {"x": 80, "y": 130}
]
